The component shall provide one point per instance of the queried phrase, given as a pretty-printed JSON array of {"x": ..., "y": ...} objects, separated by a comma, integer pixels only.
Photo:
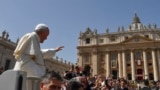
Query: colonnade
[
  {"x": 122, "y": 71},
  {"x": 122, "y": 63}
]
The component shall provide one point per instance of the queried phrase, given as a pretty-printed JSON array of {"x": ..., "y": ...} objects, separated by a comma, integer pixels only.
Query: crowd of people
[{"x": 76, "y": 79}]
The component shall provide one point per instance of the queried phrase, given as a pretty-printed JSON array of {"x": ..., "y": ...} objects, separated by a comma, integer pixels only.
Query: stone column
[
  {"x": 124, "y": 65},
  {"x": 95, "y": 67},
  {"x": 107, "y": 65},
  {"x": 1, "y": 57},
  {"x": 119, "y": 65},
  {"x": 158, "y": 59},
  {"x": 132, "y": 65},
  {"x": 155, "y": 71},
  {"x": 80, "y": 61},
  {"x": 145, "y": 65}
]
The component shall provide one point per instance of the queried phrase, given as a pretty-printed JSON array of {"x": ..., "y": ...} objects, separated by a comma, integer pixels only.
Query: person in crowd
[
  {"x": 146, "y": 85},
  {"x": 158, "y": 85},
  {"x": 78, "y": 71},
  {"x": 51, "y": 81},
  {"x": 123, "y": 85},
  {"x": 102, "y": 82},
  {"x": 91, "y": 82},
  {"x": 28, "y": 54},
  {"x": 154, "y": 85},
  {"x": 107, "y": 86},
  {"x": 74, "y": 85},
  {"x": 116, "y": 84},
  {"x": 70, "y": 74},
  {"x": 83, "y": 80}
]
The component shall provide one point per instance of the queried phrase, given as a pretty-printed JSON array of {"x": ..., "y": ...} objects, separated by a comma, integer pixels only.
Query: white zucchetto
[{"x": 41, "y": 26}]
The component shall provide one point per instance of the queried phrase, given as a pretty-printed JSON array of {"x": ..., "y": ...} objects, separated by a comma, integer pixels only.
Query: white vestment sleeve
[{"x": 48, "y": 53}]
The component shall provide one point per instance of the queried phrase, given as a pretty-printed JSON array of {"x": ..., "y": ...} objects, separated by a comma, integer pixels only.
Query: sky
[{"x": 67, "y": 18}]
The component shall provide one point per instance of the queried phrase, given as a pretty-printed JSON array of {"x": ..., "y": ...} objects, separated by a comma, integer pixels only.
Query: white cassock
[{"x": 30, "y": 57}]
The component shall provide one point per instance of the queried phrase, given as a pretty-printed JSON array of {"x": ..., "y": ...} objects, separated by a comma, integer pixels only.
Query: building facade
[
  {"x": 7, "y": 47},
  {"x": 58, "y": 64},
  {"x": 132, "y": 53},
  {"x": 7, "y": 60}
]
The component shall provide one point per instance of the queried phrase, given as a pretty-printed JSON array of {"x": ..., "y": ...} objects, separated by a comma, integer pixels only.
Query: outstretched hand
[{"x": 59, "y": 48}]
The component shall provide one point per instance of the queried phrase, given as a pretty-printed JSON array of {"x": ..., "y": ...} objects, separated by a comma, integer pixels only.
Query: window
[
  {"x": 7, "y": 64},
  {"x": 115, "y": 74},
  {"x": 138, "y": 55},
  {"x": 126, "y": 38},
  {"x": 113, "y": 38},
  {"x": 149, "y": 56},
  {"x": 102, "y": 58},
  {"x": 136, "y": 39},
  {"x": 114, "y": 64},
  {"x": 87, "y": 40},
  {"x": 139, "y": 71},
  {"x": 128, "y": 57},
  {"x": 129, "y": 76},
  {"x": 151, "y": 76},
  {"x": 128, "y": 65},
  {"x": 87, "y": 58},
  {"x": 139, "y": 74},
  {"x": 101, "y": 40},
  {"x": 146, "y": 36},
  {"x": 149, "y": 64},
  {"x": 113, "y": 56}
]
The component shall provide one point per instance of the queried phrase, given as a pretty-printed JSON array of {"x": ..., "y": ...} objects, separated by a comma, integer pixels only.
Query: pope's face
[
  {"x": 52, "y": 85},
  {"x": 44, "y": 36}
]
